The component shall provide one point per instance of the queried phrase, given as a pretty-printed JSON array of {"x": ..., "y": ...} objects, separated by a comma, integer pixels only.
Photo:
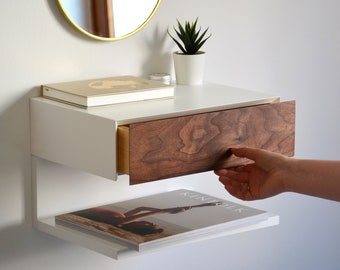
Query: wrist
[
  {"x": 296, "y": 174},
  {"x": 292, "y": 174}
]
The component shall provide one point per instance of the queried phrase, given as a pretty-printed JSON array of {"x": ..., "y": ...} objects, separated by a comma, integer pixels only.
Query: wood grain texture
[{"x": 184, "y": 145}]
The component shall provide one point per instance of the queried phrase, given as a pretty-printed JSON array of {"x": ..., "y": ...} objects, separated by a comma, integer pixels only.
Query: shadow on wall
[
  {"x": 20, "y": 242},
  {"x": 15, "y": 176},
  {"x": 59, "y": 16},
  {"x": 159, "y": 58}
]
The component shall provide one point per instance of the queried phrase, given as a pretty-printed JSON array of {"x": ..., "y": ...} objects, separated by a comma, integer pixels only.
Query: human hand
[{"x": 263, "y": 178}]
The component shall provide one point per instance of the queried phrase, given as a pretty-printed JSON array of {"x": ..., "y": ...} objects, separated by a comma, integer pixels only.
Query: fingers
[
  {"x": 236, "y": 181},
  {"x": 239, "y": 173},
  {"x": 245, "y": 152},
  {"x": 235, "y": 174},
  {"x": 240, "y": 190}
]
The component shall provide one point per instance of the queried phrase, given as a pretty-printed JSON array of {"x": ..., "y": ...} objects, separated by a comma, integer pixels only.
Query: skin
[{"x": 271, "y": 174}]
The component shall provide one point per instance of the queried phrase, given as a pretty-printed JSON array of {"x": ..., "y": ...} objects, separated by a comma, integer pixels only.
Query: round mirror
[{"x": 109, "y": 19}]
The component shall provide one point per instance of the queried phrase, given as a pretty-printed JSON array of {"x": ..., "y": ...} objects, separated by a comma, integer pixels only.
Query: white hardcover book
[
  {"x": 164, "y": 218},
  {"x": 107, "y": 91}
]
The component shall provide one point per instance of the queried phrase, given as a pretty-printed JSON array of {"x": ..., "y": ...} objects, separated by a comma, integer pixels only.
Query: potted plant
[{"x": 189, "y": 61}]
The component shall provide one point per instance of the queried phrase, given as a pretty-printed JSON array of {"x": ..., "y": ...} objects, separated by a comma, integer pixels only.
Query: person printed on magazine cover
[
  {"x": 130, "y": 220},
  {"x": 271, "y": 174}
]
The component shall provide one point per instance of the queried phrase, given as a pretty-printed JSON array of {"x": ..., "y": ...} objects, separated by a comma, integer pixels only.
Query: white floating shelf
[
  {"x": 117, "y": 251},
  {"x": 86, "y": 140}
]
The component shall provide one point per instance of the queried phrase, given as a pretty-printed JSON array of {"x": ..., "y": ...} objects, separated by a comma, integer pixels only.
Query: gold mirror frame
[{"x": 98, "y": 37}]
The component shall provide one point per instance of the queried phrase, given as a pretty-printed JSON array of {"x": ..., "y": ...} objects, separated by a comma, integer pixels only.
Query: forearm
[{"x": 319, "y": 178}]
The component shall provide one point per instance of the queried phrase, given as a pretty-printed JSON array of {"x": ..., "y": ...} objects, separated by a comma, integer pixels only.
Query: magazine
[{"x": 153, "y": 220}]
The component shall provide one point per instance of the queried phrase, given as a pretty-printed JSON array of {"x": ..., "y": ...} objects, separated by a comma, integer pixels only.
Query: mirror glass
[{"x": 109, "y": 19}]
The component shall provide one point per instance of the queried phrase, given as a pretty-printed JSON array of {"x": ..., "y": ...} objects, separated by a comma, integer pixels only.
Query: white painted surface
[
  {"x": 86, "y": 139},
  {"x": 283, "y": 47}
]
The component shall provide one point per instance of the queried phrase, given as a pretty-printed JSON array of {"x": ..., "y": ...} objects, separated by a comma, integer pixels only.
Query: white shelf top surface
[{"x": 188, "y": 100}]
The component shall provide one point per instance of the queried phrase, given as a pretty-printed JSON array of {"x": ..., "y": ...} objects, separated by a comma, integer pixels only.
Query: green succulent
[{"x": 192, "y": 39}]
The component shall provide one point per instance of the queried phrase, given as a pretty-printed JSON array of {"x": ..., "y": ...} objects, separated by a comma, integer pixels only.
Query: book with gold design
[{"x": 107, "y": 91}]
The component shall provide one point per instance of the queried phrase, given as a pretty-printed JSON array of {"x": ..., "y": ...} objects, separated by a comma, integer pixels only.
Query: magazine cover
[{"x": 152, "y": 220}]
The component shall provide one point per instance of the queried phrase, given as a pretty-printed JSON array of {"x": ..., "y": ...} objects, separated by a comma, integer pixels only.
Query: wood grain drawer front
[{"x": 178, "y": 146}]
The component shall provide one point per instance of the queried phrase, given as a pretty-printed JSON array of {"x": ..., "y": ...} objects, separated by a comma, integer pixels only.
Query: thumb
[{"x": 245, "y": 152}]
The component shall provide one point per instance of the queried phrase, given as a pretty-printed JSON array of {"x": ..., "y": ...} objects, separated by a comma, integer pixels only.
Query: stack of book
[
  {"x": 107, "y": 91},
  {"x": 163, "y": 218}
]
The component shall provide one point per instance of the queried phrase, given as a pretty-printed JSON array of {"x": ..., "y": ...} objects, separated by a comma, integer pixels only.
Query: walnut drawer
[{"x": 183, "y": 145}]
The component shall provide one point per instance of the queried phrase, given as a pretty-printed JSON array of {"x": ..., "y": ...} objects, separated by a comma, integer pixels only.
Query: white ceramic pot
[{"x": 189, "y": 69}]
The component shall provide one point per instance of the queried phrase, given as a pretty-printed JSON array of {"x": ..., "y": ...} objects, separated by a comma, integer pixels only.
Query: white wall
[{"x": 286, "y": 47}]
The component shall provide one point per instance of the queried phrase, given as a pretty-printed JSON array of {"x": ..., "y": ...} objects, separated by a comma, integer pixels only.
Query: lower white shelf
[{"x": 118, "y": 251}]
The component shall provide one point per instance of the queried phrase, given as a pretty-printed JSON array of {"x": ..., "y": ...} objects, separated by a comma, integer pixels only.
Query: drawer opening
[{"x": 123, "y": 155}]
